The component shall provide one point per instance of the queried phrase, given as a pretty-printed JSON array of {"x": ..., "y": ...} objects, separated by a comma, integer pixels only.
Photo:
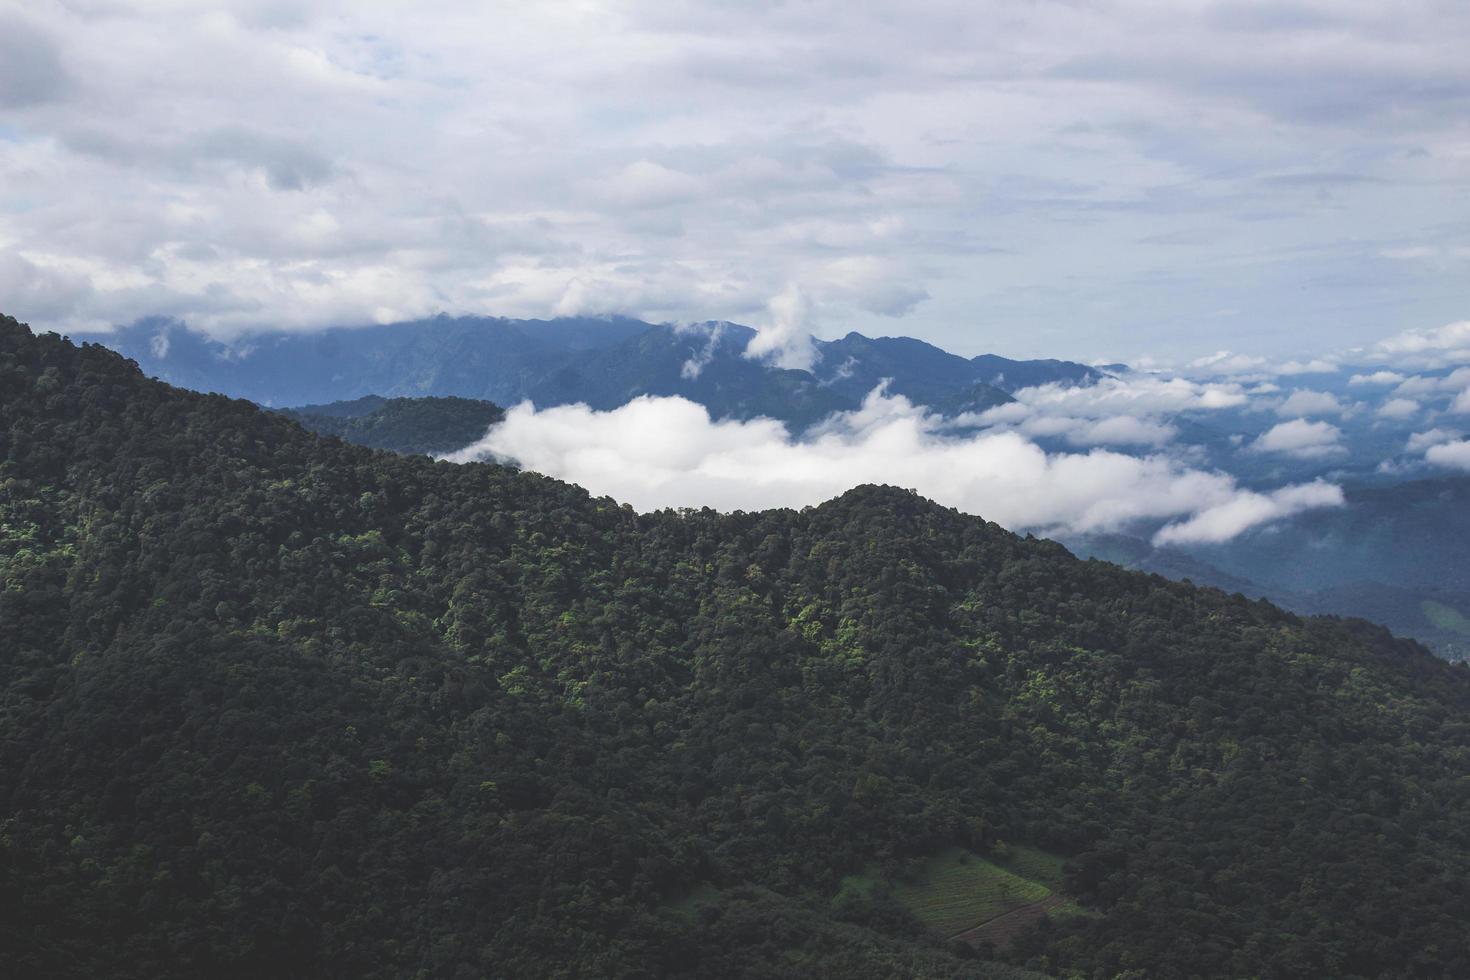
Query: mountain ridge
[
  {"x": 603, "y": 362},
  {"x": 279, "y": 704}
]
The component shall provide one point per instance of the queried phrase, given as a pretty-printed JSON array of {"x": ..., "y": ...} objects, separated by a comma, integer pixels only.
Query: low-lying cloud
[
  {"x": 1428, "y": 347},
  {"x": 1228, "y": 364},
  {"x": 785, "y": 339},
  {"x": 1302, "y": 439},
  {"x": 1455, "y": 455},
  {"x": 1132, "y": 395},
  {"x": 1133, "y": 410},
  {"x": 1246, "y": 510},
  {"x": 1305, "y": 401},
  {"x": 668, "y": 452},
  {"x": 1420, "y": 441}
]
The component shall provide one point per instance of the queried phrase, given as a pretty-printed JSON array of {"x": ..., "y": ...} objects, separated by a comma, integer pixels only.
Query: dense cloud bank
[
  {"x": 668, "y": 452},
  {"x": 1034, "y": 178}
]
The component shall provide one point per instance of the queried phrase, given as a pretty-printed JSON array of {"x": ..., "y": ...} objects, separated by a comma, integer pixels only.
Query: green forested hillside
[
  {"x": 276, "y": 705},
  {"x": 428, "y": 426}
]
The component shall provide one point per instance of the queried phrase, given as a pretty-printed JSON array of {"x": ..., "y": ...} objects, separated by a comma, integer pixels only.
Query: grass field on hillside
[
  {"x": 956, "y": 890},
  {"x": 1033, "y": 864}
]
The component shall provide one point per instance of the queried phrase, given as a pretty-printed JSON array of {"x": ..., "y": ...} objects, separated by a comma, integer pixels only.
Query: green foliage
[
  {"x": 277, "y": 705},
  {"x": 405, "y": 425}
]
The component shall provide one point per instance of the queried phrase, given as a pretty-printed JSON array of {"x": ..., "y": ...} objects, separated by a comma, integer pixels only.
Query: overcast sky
[{"x": 1088, "y": 180}]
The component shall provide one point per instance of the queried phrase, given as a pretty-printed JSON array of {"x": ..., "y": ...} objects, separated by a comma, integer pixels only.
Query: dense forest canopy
[
  {"x": 272, "y": 704},
  {"x": 428, "y": 426}
]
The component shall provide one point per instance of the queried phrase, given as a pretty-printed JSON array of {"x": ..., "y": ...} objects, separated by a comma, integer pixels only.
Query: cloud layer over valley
[{"x": 668, "y": 452}]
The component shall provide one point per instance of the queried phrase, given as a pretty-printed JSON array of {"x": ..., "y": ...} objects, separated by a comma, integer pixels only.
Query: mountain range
[
  {"x": 278, "y": 705},
  {"x": 602, "y": 362}
]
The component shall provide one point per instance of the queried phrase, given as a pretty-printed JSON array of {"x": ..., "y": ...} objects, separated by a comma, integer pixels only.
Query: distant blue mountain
[
  {"x": 472, "y": 357},
  {"x": 601, "y": 361}
]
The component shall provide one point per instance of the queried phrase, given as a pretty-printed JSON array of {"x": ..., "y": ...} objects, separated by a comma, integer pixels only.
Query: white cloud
[
  {"x": 1398, "y": 408},
  {"x": 1247, "y": 510},
  {"x": 1302, "y": 439},
  {"x": 1455, "y": 455},
  {"x": 1133, "y": 394},
  {"x": 1227, "y": 363},
  {"x": 1420, "y": 441},
  {"x": 1304, "y": 401},
  {"x": 1377, "y": 378},
  {"x": 1428, "y": 347},
  {"x": 1247, "y": 367},
  {"x": 1117, "y": 430},
  {"x": 785, "y": 339},
  {"x": 1461, "y": 404},
  {"x": 1131, "y": 410},
  {"x": 1122, "y": 430},
  {"x": 1419, "y": 385},
  {"x": 1316, "y": 365},
  {"x": 667, "y": 452}
]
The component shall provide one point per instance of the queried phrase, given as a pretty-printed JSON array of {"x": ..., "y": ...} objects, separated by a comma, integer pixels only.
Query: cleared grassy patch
[
  {"x": 956, "y": 890},
  {"x": 1040, "y": 866},
  {"x": 1444, "y": 617}
]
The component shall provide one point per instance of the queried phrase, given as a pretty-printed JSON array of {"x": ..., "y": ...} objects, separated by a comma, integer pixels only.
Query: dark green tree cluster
[
  {"x": 427, "y": 426},
  {"x": 277, "y": 705}
]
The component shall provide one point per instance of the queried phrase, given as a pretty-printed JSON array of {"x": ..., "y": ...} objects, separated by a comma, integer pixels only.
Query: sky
[{"x": 1111, "y": 180}]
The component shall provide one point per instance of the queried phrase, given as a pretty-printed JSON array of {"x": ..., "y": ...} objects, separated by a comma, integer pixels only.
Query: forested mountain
[
  {"x": 1394, "y": 553},
  {"x": 603, "y": 362},
  {"x": 405, "y": 425},
  {"x": 277, "y": 705}
]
